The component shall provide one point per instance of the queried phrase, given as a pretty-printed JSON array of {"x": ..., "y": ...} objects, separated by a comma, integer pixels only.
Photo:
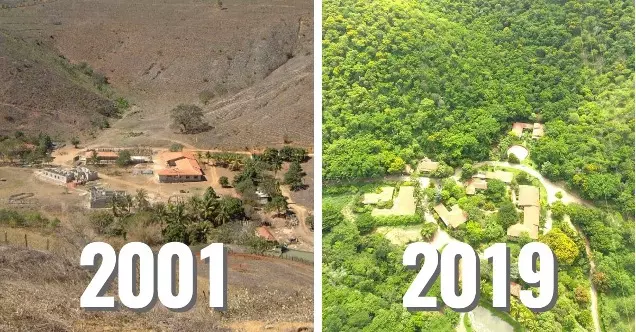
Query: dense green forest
[{"x": 446, "y": 79}]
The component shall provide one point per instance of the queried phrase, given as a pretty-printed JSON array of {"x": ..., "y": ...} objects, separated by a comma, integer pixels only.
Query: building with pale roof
[
  {"x": 528, "y": 196},
  {"x": 475, "y": 183},
  {"x": 530, "y": 201},
  {"x": 453, "y": 218},
  {"x": 518, "y": 127},
  {"x": 537, "y": 129},
  {"x": 427, "y": 166}
]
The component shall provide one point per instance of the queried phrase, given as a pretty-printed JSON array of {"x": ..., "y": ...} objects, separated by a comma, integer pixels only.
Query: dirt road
[
  {"x": 303, "y": 231},
  {"x": 567, "y": 198}
]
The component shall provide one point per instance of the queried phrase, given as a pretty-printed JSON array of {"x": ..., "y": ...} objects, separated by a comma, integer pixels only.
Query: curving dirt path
[
  {"x": 567, "y": 198},
  {"x": 301, "y": 212}
]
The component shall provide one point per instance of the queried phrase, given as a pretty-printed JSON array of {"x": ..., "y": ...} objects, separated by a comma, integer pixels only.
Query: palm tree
[
  {"x": 223, "y": 215},
  {"x": 176, "y": 213},
  {"x": 209, "y": 209},
  {"x": 160, "y": 212},
  {"x": 277, "y": 166},
  {"x": 142, "y": 199},
  {"x": 194, "y": 206},
  {"x": 208, "y": 156},
  {"x": 128, "y": 199}
]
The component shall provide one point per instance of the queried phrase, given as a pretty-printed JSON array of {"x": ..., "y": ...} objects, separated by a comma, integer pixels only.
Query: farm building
[
  {"x": 528, "y": 196},
  {"x": 64, "y": 176},
  {"x": 529, "y": 201},
  {"x": 141, "y": 159},
  {"x": 537, "y": 129},
  {"x": 475, "y": 183},
  {"x": 102, "y": 198},
  {"x": 453, "y": 218},
  {"x": 427, "y": 166},
  {"x": 103, "y": 157},
  {"x": 180, "y": 167}
]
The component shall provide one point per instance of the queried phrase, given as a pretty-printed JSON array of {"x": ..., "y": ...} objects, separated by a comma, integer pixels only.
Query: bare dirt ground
[
  {"x": 253, "y": 57},
  {"x": 36, "y": 299},
  {"x": 303, "y": 197},
  {"x": 51, "y": 199}
]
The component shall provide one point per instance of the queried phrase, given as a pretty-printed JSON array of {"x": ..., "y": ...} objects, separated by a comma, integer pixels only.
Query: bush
[
  {"x": 385, "y": 205},
  {"x": 123, "y": 158},
  {"x": 122, "y": 103},
  {"x": 259, "y": 245},
  {"x": 101, "y": 221},
  {"x": 365, "y": 223},
  {"x": 205, "y": 96},
  {"x": 148, "y": 234},
  {"x": 428, "y": 231},
  {"x": 176, "y": 147},
  {"x": 397, "y": 220},
  {"x": 224, "y": 182}
]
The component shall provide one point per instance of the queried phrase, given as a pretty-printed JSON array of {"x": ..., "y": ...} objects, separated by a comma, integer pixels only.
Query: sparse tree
[
  {"x": 123, "y": 159},
  {"x": 224, "y": 182},
  {"x": 278, "y": 204},
  {"x": 176, "y": 147},
  {"x": 188, "y": 118},
  {"x": 294, "y": 176},
  {"x": 75, "y": 141}
]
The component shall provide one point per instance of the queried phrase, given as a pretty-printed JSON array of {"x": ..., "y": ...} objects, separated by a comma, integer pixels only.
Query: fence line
[{"x": 24, "y": 241}]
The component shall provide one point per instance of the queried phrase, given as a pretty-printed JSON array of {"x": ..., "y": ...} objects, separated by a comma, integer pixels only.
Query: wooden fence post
[
  {"x": 26, "y": 243},
  {"x": 47, "y": 244}
]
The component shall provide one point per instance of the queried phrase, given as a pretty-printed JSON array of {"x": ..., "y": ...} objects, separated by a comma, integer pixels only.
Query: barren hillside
[
  {"x": 252, "y": 61},
  {"x": 41, "y": 91}
]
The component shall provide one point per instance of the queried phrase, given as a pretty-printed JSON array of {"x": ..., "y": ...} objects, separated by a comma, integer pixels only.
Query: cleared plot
[
  {"x": 384, "y": 195},
  {"x": 519, "y": 151},
  {"x": 401, "y": 235},
  {"x": 403, "y": 204}
]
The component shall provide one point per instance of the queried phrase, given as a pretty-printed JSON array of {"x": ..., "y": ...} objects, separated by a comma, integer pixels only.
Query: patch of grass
[
  {"x": 467, "y": 325},
  {"x": 502, "y": 315},
  {"x": 338, "y": 201}
]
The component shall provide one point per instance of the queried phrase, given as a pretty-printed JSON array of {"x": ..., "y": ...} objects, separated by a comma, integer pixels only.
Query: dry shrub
[{"x": 148, "y": 234}]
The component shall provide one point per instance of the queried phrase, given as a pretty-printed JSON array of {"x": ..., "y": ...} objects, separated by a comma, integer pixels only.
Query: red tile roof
[{"x": 185, "y": 164}]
